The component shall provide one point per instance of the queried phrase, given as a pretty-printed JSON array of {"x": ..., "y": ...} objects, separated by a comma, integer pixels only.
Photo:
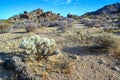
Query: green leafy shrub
[
  {"x": 106, "y": 40},
  {"x": 5, "y": 27},
  {"x": 36, "y": 44}
]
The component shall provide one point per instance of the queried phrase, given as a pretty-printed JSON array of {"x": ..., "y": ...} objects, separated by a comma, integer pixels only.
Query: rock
[
  {"x": 16, "y": 65},
  {"x": 56, "y": 51},
  {"x": 73, "y": 56},
  {"x": 115, "y": 68},
  {"x": 117, "y": 63},
  {"x": 101, "y": 61}
]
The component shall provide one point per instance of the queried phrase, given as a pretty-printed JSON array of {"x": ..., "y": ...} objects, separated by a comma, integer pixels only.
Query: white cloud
[
  {"x": 45, "y": 0},
  {"x": 68, "y": 1},
  {"x": 62, "y": 1}
]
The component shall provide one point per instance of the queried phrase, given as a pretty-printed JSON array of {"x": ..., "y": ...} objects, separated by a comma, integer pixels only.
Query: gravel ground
[{"x": 88, "y": 65}]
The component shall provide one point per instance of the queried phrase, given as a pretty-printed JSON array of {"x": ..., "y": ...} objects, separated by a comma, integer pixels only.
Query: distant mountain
[
  {"x": 106, "y": 10},
  {"x": 108, "y": 16}
]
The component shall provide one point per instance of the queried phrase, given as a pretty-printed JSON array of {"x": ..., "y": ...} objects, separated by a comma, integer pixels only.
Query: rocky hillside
[
  {"x": 108, "y": 16},
  {"x": 106, "y": 10},
  {"x": 36, "y": 14}
]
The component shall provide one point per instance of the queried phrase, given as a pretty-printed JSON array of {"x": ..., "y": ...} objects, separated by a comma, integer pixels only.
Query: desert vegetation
[{"x": 40, "y": 45}]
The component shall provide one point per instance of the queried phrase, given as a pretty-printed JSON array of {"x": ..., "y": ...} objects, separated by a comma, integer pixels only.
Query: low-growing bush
[
  {"x": 30, "y": 27},
  {"x": 5, "y": 27},
  {"x": 53, "y": 24},
  {"x": 82, "y": 37},
  {"x": 62, "y": 25},
  {"x": 106, "y": 40},
  {"x": 85, "y": 36}
]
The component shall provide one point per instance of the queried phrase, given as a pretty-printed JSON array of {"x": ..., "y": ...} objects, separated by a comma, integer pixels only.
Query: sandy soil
[{"x": 89, "y": 65}]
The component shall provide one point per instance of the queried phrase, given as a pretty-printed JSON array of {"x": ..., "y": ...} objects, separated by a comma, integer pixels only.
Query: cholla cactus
[{"x": 36, "y": 44}]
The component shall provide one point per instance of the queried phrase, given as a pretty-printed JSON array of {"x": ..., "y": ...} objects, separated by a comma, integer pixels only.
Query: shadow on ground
[
  {"x": 85, "y": 50},
  {"x": 4, "y": 56},
  {"x": 6, "y": 74},
  {"x": 22, "y": 32}
]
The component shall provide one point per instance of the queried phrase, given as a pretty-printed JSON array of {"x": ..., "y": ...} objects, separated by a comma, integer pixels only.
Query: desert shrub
[
  {"x": 82, "y": 37},
  {"x": 5, "y": 27},
  {"x": 70, "y": 20},
  {"x": 115, "y": 52},
  {"x": 9, "y": 21},
  {"x": 106, "y": 40},
  {"x": 64, "y": 24},
  {"x": 25, "y": 23},
  {"x": 68, "y": 67},
  {"x": 53, "y": 24},
  {"x": 91, "y": 22},
  {"x": 37, "y": 45},
  {"x": 85, "y": 36},
  {"x": 19, "y": 24},
  {"x": 44, "y": 22},
  {"x": 30, "y": 27}
]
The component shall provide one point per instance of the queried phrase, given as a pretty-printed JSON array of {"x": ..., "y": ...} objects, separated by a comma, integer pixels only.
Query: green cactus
[{"x": 36, "y": 44}]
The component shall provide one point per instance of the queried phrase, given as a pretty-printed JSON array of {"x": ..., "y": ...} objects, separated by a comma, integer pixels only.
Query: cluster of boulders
[{"x": 36, "y": 14}]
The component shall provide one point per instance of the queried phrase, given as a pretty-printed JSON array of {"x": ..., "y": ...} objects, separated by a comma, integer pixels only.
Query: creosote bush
[
  {"x": 106, "y": 40},
  {"x": 30, "y": 27},
  {"x": 5, "y": 27},
  {"x": 85, "y": 36},
  {"x": 37, "y": 45}
]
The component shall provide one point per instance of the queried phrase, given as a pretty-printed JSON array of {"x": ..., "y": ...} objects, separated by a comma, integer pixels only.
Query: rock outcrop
[
  {"x": 35, "y": 14},
  {"x": 106, "y": 10}
]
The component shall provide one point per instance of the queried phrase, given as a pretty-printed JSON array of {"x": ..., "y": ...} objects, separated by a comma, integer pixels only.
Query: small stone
[
  {"x": 101, "y": 61},
  {"x": 90, "y": 59},
  {"x": 115, "y": 68},
  {"x": 73, "y": 56},
  {"x": 56, "y": 51}
]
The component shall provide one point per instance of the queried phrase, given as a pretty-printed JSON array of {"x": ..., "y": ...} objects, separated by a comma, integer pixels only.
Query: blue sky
[{"x": 9, "y": 8}]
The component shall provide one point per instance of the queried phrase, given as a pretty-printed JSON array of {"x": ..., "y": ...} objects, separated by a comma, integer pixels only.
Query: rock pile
[{"x": 19, "y": 67}]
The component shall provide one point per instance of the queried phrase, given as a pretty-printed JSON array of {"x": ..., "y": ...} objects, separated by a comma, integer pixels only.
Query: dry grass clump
[
  {"x": 82, "y": 37},
  {"x": 115, "y": 52},
  {"x": 65, "y": 67},
  {"x": 69, "y": 67},
  {"x": 106, "y": 40},
  {"x": 5, "y": 27},
  {"x": 85, "y": 36},
  {"x": 110, "y": 42}
]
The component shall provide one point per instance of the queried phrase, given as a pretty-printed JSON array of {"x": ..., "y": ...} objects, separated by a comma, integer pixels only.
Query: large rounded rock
[{"x": 18, "y": 66}]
